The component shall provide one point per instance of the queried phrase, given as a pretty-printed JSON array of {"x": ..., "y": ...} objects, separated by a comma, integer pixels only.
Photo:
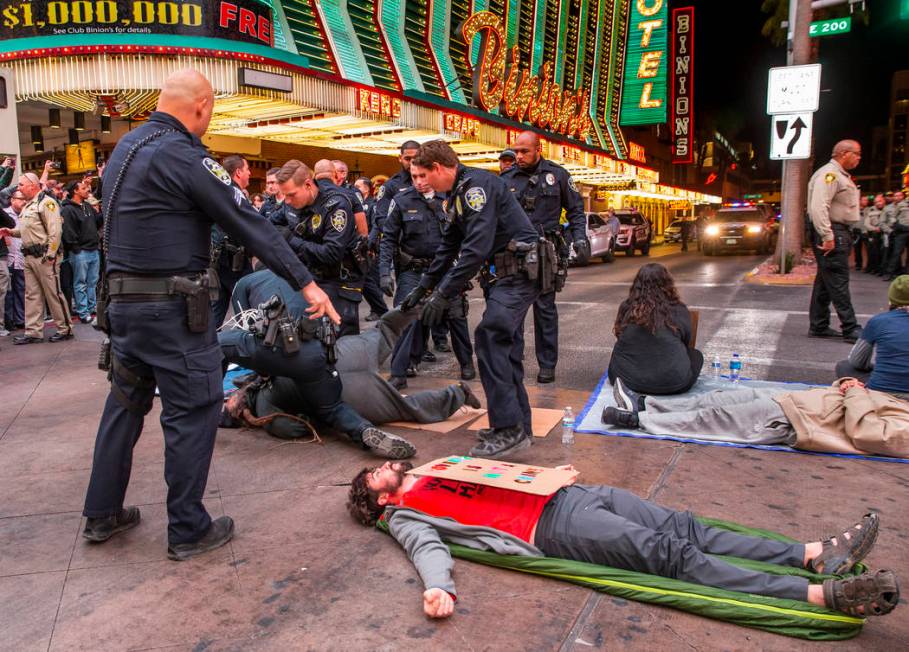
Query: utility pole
[{"x": 794, "y": 187}]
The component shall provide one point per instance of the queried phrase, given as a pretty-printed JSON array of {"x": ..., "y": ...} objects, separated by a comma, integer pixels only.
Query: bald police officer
[
  {"x": 162, "y": 193},
  {"x": 41, "y": 229},
  {"x": 833, "y": 206},
  {"x": 544, "y": 189}
]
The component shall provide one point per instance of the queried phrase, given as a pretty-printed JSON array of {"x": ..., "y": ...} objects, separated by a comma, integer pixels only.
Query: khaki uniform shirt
[
  {"x": 902, "y": 212},
  {"x": 40, "y": 223},
  {"x": 873, "y": 219},
  {"x": 832, "y": 198},
  {"x": 888, "y": 217}
]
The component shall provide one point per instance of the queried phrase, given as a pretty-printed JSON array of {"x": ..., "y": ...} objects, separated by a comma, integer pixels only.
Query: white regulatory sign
[
  {"x": 790, "y": 136},
  {"x": 793, "y": 89}
]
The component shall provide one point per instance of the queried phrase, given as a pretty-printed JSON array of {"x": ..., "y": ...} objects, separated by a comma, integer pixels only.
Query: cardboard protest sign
[{"x": 527, "y": 478}]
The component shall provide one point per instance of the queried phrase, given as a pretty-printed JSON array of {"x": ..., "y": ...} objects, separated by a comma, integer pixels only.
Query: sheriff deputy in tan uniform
[
  {"x": 40, "y": 227},
  {"x": 833, "y": 206}
]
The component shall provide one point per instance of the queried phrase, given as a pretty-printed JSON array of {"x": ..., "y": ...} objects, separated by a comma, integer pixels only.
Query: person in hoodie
[{"x": 80, "y": 240}]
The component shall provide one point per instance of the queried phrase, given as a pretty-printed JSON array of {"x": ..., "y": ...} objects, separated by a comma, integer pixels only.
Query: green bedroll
[{"x": 780, "y": 616}]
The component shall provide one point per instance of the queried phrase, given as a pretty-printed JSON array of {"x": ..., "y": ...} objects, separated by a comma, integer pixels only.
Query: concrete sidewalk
[{"x": 301, "y": 575}]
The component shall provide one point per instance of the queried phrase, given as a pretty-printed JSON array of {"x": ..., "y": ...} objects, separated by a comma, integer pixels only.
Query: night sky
[{"x": 731, "y": 74}]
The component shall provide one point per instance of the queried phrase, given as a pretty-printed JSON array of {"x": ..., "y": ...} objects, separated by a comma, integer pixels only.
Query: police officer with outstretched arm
[
  {"x": 487, "y": 228},
  {"x": 543, "y": 189},
  {"x": 162, "y": 193},
  {"x": 833, "y": 206}
]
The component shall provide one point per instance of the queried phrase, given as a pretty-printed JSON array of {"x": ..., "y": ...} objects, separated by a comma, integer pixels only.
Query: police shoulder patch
[
  {"x": 339, "y": 220},
  {"x": 475, "y": 198},
  {"x": 572, "y": 184},
  {"x": 830, "y": 177},
  {"x": 217, "y": 170},
  {"x": 380, "y": 192}
]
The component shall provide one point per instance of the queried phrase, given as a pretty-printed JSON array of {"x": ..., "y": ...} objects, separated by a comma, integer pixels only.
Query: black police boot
[
  {"x": 627, "y": 399},
  {"x": 411, "y": 372},
  {"x": 470, "y": 399},
  {"x": 442, "y": 347},
  {"x": 385, "y": 444},
  {"x": 468, "y": 372},
  {"x": 102, "y": 529},
  {"x": 219, "y": 532},
  {"x": 501, "y": 443},
  {"x": 546, "y": 375},
  {"x": 622, "y": 418},
  {"x": 827, "y": 332},
  {"x": 852, "y": 336},
  {"x": 428, "y": 356},
  {"x": 398, "y": 382}
]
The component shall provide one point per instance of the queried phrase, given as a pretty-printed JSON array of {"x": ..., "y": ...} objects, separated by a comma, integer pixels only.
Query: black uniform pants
[
  {"x": 858, "y": 247},
  {"x": 371, "y": 291},
  {"x": 874, "y": 244},
  {"x": 831, "y": 284},
  {"x": 613, "y": 527},
  {"x": 546, "y": 330},
  {"x": 152, "y": 341},
  {"x": 499, "y": 340},
  {"x": 347, "y": 302},
  {"x": 900, "y": 240}
]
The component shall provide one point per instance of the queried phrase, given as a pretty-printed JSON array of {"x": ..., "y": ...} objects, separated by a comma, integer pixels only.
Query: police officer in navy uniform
[
  {"x": 411, "y": 235},
  {"x": 229, "y": 258},
  {"x": 543, "y": 189},
  {"x": 162, "y": 192},
  {"x": 325, "y": 237},
  {"x": 488, "y": 227},
  {"x": 371, "y": 291},
  {"x": 390, "y": 188}
]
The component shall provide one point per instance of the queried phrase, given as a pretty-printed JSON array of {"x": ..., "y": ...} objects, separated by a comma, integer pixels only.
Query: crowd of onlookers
[{"x": 881, "y": 237}]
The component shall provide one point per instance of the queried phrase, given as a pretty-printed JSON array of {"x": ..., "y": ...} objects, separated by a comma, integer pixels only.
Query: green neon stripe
[
  {"x": 614, "y": 116},
  {"x": 350, "y": 54},
  {"x": 582, "y": 43},
  {"x": 478, "y": 6},
  {"x": 391, "y": 14},
  {"x": 559, "y": 64},
  {"x": 441, "y": 10},
  {"x": 279, "y": 27},
  {"x": 539, "y": 31},
  {"x": 154, "y": 40},
  {"x": 512, "y": 10},
  {"x": 304, "y": 28}
]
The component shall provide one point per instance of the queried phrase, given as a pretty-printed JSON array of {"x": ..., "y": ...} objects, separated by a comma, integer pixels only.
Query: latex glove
[
  {"x": 437, "y": 603},
  {"x": 387, "y": 285},
  {"x": 434, "y": 311},
  {"x": 411, "y": 300}
]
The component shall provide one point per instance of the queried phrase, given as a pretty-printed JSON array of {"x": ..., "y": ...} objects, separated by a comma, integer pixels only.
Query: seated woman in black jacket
[{"x": 653, "y": 328}]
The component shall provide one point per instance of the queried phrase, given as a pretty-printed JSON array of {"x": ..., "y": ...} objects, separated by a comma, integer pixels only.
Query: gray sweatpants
[
  {"x": 613, "y": 527},
  {"x": 745, "y": 416}
]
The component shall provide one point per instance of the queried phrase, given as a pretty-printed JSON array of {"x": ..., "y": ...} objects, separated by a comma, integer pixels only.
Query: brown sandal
[
  {"x": 876, "y": 593},
  {"x": 842, "y": 552}
]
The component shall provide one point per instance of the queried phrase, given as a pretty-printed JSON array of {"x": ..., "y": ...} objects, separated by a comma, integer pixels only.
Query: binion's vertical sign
[
  {"x": 681, "y": 122},
  {"x": 644, "y": 89}
]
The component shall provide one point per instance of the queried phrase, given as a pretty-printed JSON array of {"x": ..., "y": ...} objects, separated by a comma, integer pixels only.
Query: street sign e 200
[{"x": 831, "y": 26}]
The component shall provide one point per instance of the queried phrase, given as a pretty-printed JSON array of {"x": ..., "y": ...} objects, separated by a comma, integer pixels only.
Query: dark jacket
[
  {"x": 80, "y": 227},
  {"x": 656, "y": 363},
  {"x": 5, "y": 222}
]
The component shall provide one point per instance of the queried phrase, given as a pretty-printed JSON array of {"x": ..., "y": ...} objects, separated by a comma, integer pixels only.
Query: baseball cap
[{"x": 507, "y": 153}]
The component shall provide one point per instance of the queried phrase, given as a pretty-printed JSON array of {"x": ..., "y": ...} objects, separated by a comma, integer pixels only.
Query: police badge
[
  {"x": 339, "y": 220},
  {"x": 216, "y": 170},
  {"x": 550, "y": 179},
  {"x": 475, "y": 198},
  {"x": 316, "y": 222}
]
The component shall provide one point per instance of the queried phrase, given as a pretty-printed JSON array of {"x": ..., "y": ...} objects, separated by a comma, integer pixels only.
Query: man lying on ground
[
  {"x": 844, "y": 418},
  {"x": 301, "y": 357},
  {"x": 364, "y": 389},
  {"x": 607, "y": 526},
  {"x": 880, "y": 357}
]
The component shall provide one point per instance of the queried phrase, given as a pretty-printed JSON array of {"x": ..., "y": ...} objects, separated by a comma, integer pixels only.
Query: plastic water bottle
[
  {"x": 717, "y": 367},
  {"x": 735, "y": 368},
  {"x": 568, "y": 427}
]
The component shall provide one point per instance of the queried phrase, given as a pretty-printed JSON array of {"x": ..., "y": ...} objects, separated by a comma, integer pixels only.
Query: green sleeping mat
[{"x": 777, "y": 615}]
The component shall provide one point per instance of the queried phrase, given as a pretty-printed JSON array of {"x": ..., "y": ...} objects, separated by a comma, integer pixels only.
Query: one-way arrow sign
[{"x": 790, "y": 136}]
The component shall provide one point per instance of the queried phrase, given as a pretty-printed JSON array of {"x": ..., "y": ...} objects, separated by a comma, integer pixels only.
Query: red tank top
[{"x": 469, "y": 503}]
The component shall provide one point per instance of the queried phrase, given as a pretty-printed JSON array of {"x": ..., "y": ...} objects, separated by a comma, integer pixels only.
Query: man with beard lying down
[{"x": 608, "y": 526}]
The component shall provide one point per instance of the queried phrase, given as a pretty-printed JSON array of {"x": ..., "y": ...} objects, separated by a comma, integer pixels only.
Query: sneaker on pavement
[
  {"x": 546, "y": 375},
  {"x": 827, "y": 332},
  {"x": 442, "y": 347},
  {"x": 468, "y": 372},
  {"x": 385, "y": 444},
  {"x": 411, "y": 372},
  {"x": 27, "y": 339},
  {"x": 625, "y": 398},
  {"x": 219, "y": 532},
  {"x": 470, "y": 399},
  {"x": 428, "y": 356},
  {"x": 398, "y": 382},
  {"x": 4, "y": 332},
  {"x": 102, "y": 529},
  {"x": 623, "y": 418},
  {"x": 501, "y": 443}
]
